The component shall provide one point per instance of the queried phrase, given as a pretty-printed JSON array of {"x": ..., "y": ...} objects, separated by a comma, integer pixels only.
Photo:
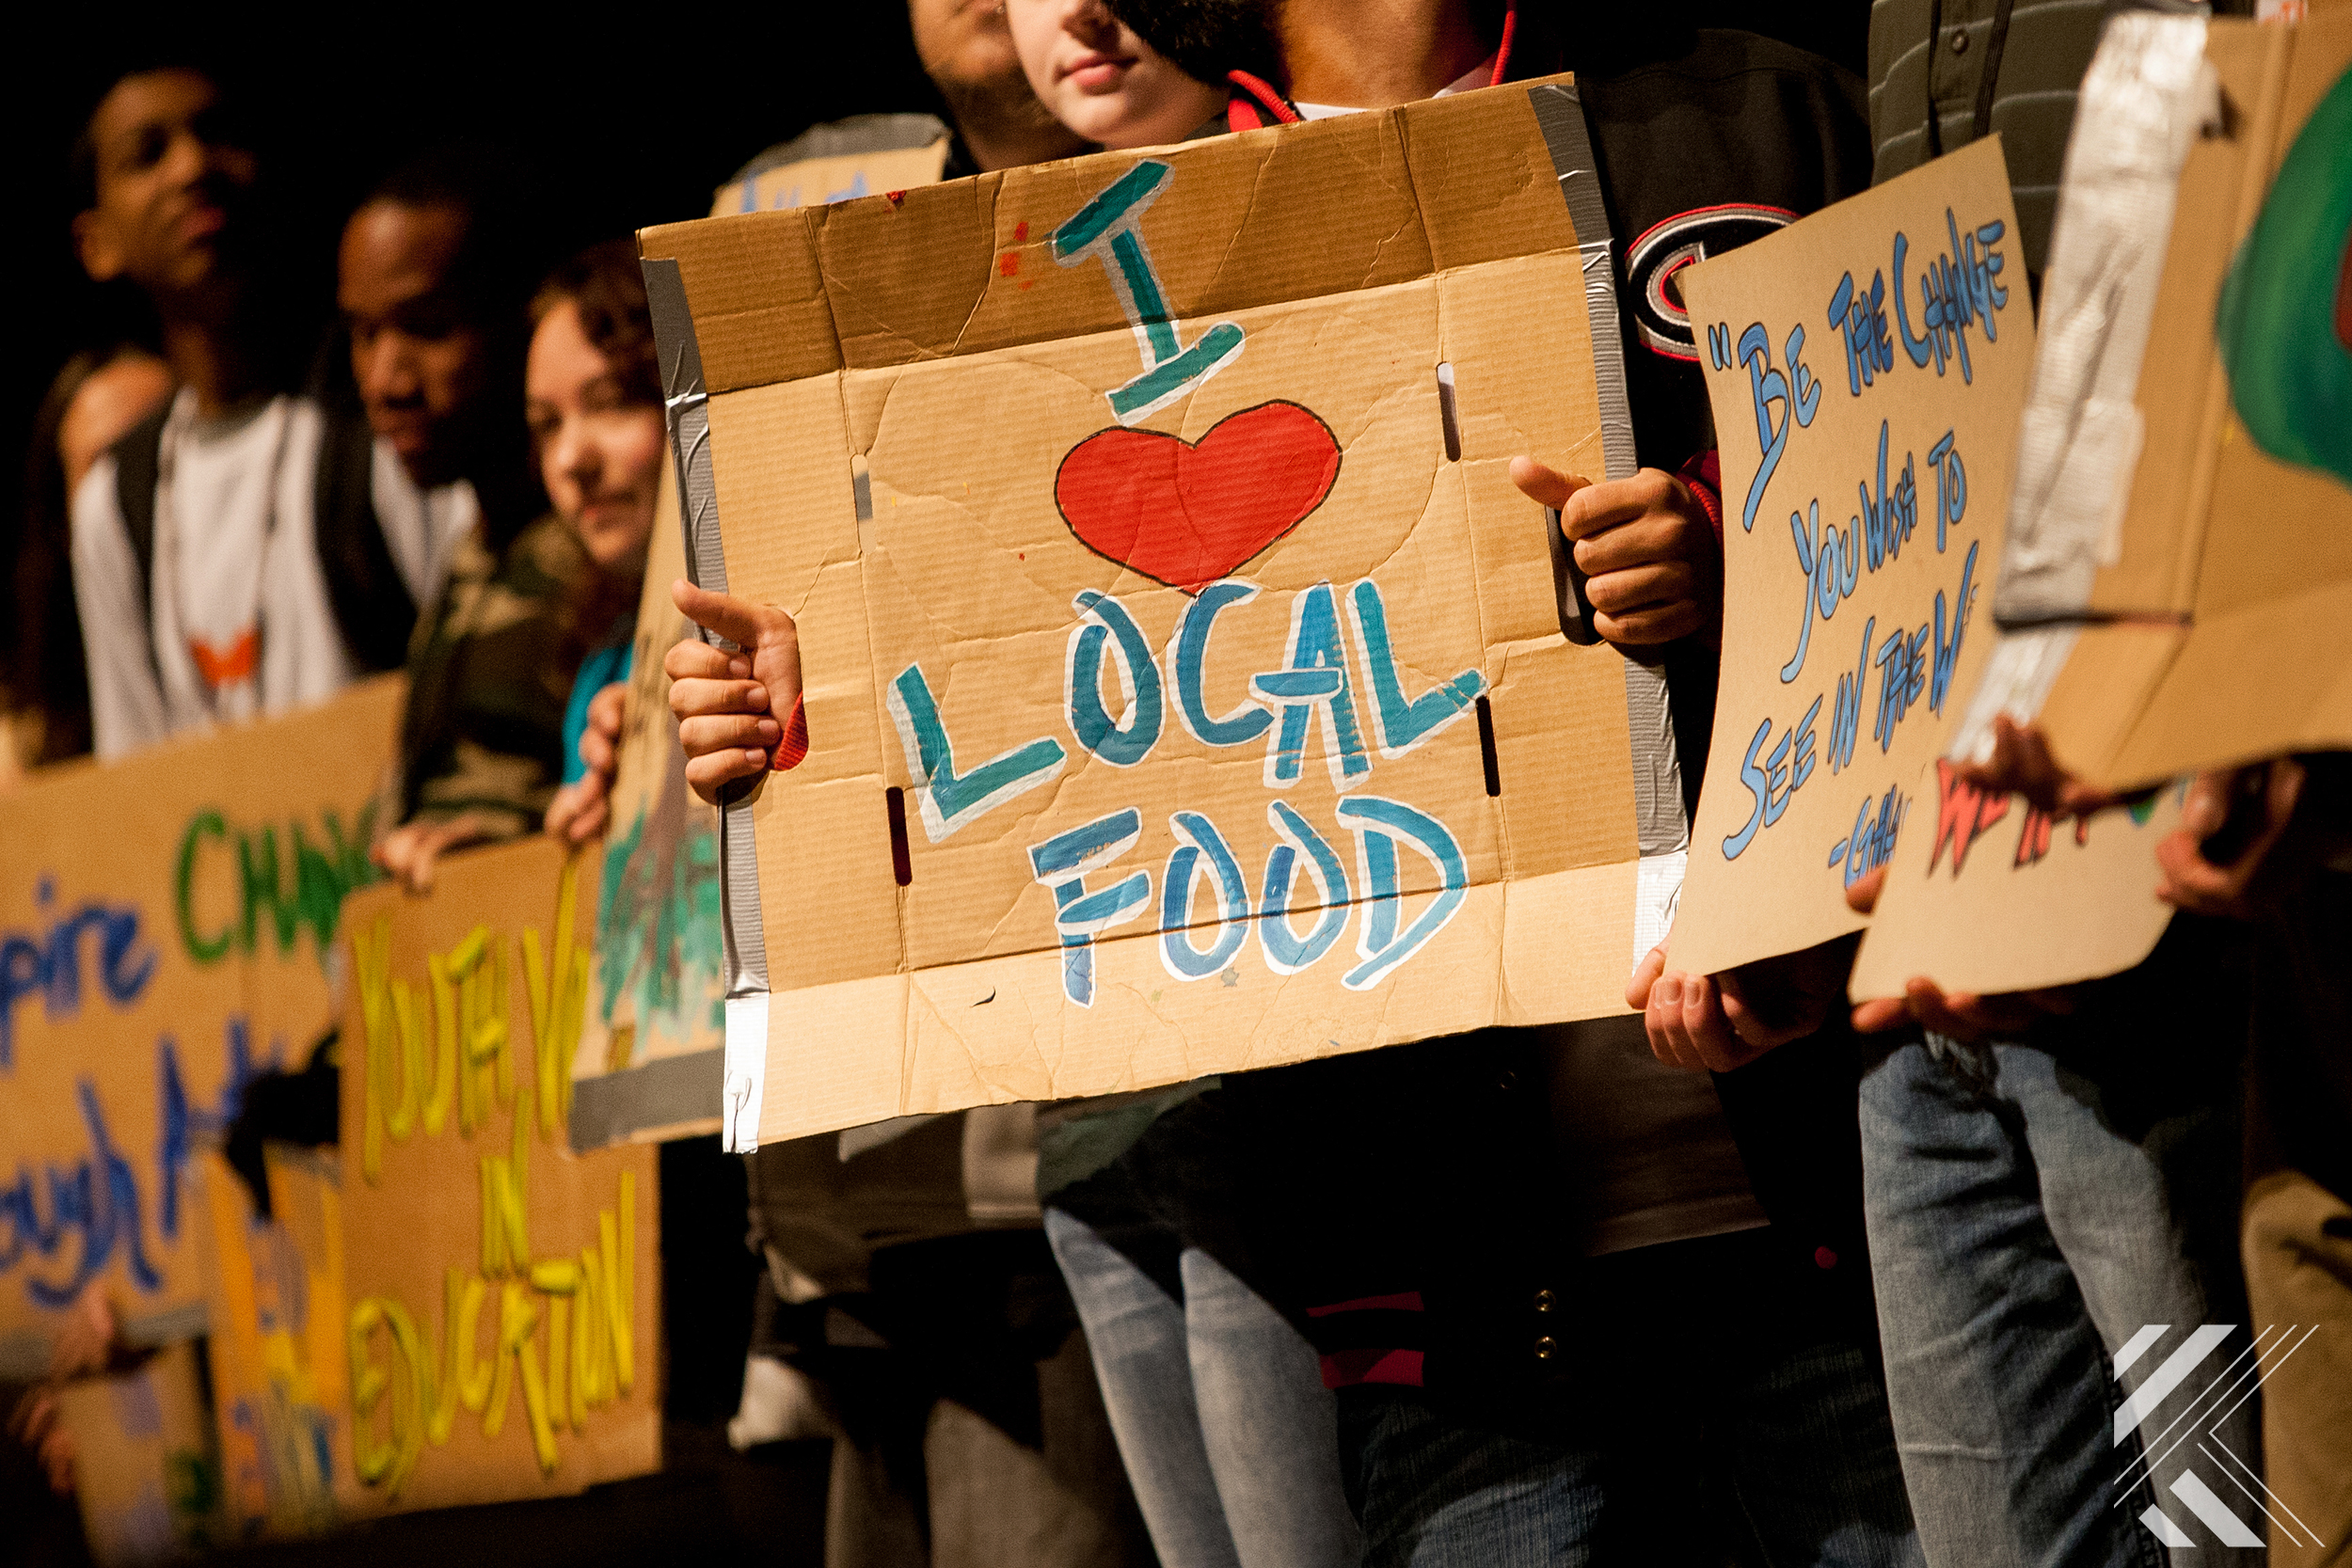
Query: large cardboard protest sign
[
  {"x": 1865, "y": 367},
  {"x": 2178, "y": 587},
  {"x": 650, "y": 1062},
  {"x": 167, "y": 930},
  {"x": 1988, "y": 896},
  {"x": 502, "y": 1325},
  {"x": 1184, "y": 685}
]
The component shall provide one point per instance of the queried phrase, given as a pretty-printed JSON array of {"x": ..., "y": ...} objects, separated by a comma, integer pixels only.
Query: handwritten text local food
[{"x": 1187, "y": 515}]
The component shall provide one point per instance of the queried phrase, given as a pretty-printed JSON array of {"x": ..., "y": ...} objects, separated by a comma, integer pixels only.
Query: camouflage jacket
[{"x": 489, "y": 672}]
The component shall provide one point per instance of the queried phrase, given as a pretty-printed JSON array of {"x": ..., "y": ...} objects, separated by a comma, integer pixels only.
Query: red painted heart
[{"x": 1187, "y": 513}]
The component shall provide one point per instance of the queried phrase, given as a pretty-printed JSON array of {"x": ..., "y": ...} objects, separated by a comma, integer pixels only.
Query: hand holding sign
[
  {"x": 1653, "y": 563},
  {"x": 726, "y": 703}
]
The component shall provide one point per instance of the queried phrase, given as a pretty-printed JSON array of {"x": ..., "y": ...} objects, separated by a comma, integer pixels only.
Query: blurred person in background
[
  {"x": 593, "y": 389},
  {"x": 247, "y": 548},
  {"x": 435, "y": 280},
  {"x": 96, "y": 399}
]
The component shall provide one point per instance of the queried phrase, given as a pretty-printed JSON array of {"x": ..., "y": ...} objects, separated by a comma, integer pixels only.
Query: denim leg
[
  {"x": 1434, "y": 1492},
  {"x": 1136, "y": 1334},
  {"x": 1271, "y": 1427},
  {"x": 2146, "y": 1218},
  {"x": 1814, "y": 1462},
  {"x": 1996, "y": 1377}
]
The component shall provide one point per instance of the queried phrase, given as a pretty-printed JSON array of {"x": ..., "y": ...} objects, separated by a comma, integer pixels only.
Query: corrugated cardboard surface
[
  {"x": 1988, "y": 897},
  {"x": 1789, "y": 817},
  {"x": 418, "y": 1215},
  {"x": 2248, "y": 558},
  {"x": 192, "y": 883},
  {"x": 932, "y": 347}
]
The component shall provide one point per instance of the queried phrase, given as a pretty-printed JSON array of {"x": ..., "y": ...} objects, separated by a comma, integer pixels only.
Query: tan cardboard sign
[
  {"x": 167, "y": 930},
  {"x": 502, "y": 1327},
  {"x": 1865, "y": 367},
  {"x": 814, "y": 182},
  {"x": 2178, "y": 588},
  {"x": 281, "y": 1399},
  {"x": 1989, "y": 896},
  {"x": 1184, "y": 684}
]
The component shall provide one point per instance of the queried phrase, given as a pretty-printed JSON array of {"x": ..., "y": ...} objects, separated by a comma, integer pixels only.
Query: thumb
[
  {"x": 1863, "y": 897},
  {"x": 2207, "y": 806},
  {"x": 1542, "y": 485},
  {"x": 746, "y": 625}
]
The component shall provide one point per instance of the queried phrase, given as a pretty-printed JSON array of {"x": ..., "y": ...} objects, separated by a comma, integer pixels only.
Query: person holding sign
[
  {"x": 1426, "y": 1175},
  {"x": 434, "y": 281}
]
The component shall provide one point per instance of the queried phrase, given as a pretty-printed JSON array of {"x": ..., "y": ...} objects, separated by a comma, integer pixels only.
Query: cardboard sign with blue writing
[
  {"x": 1865, "y": 367},
  {"x": 1185, "y": 688},
  {"x": 167, "y": 930}
]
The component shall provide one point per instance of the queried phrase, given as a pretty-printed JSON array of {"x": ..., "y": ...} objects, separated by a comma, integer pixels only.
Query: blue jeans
[
  {"x": 1218, "y": 1405},
  {"x": 2029, "y": 1216},
  {"x": 1726, "y": 1429}
]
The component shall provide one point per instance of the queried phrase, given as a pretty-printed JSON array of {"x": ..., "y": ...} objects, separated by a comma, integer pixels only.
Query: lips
[{"x": 1096, "y": 71}]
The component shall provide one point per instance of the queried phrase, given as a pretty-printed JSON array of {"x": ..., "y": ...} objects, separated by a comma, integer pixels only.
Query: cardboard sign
[
  {"x": 651, "y": 1057},
  {"x": 2178, "y": 588},
  {"x": 504, "y": 1325},
  {"x": 649, "y": 1060},
  {"x": 814, "y": 182},
  {"x": 281, "y": 1400},
  {"x": 1184, "y": 685},
  {"x": 1990, "y": 895},
  {"x": 145, "y": 1478},
  {"x": 1865, "y": 367},
  {"x": 167, "y": 930}
]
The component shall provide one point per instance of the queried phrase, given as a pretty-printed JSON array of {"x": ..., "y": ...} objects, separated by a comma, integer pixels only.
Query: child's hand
[
  {"x": 1654, "y": 569},
  {"x": 579, "y": 809},
  {"x": 728, "y": 705}
]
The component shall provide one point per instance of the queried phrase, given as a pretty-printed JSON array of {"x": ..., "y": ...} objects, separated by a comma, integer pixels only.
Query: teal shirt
[{"x": 597, "y": 672}]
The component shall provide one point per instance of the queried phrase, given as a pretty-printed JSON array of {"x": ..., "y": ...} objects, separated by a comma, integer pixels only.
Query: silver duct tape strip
[
  {"x": 1659, "y": 826},
  {"x": 2149, "y": 93},
  {"x": 688, "y": 405}
]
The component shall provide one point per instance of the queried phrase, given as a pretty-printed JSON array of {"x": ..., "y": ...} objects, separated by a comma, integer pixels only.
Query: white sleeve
[
  {"x": 126, "y": 706},
  {"x": 419, "y": 526}
]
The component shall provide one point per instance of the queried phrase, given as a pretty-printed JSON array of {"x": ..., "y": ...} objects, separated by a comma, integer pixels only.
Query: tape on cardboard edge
[
  {"x": 2149, "y": 93},
  {"x": 686, "y": 404},
  {"x": 1661, "y": 827}
]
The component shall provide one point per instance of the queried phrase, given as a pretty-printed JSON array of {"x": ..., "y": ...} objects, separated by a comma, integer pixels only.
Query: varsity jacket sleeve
[{"x": 126, "y": 705}]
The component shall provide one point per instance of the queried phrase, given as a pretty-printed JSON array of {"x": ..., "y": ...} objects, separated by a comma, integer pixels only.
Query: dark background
[{"x": 628, "y": 117}]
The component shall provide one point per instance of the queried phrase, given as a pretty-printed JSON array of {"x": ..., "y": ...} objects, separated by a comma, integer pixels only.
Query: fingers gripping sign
[
  {"x": 738, "y": 707},
  {"x": 1652, "y": 564}
]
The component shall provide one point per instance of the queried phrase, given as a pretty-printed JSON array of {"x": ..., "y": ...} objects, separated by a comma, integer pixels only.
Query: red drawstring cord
[
  {"x": 1242, "y": 114},
  {"x": 1503, "y": 50}
]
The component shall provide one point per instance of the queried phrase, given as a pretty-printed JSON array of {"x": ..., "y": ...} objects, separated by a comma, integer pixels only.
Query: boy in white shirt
[{"x": 248, "y": 550}]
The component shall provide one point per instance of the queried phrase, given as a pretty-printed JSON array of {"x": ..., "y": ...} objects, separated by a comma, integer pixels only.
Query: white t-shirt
[{"x": 238, "y": 620}]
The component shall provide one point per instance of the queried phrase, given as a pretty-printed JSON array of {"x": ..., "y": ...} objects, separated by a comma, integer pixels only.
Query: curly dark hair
[{"x": 608, "y": 287}]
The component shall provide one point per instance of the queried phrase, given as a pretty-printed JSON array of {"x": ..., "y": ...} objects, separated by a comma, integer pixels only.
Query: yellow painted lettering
[
  {"x": 444, "y": 1090},
  {"x": 620, "y": 1273}
]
